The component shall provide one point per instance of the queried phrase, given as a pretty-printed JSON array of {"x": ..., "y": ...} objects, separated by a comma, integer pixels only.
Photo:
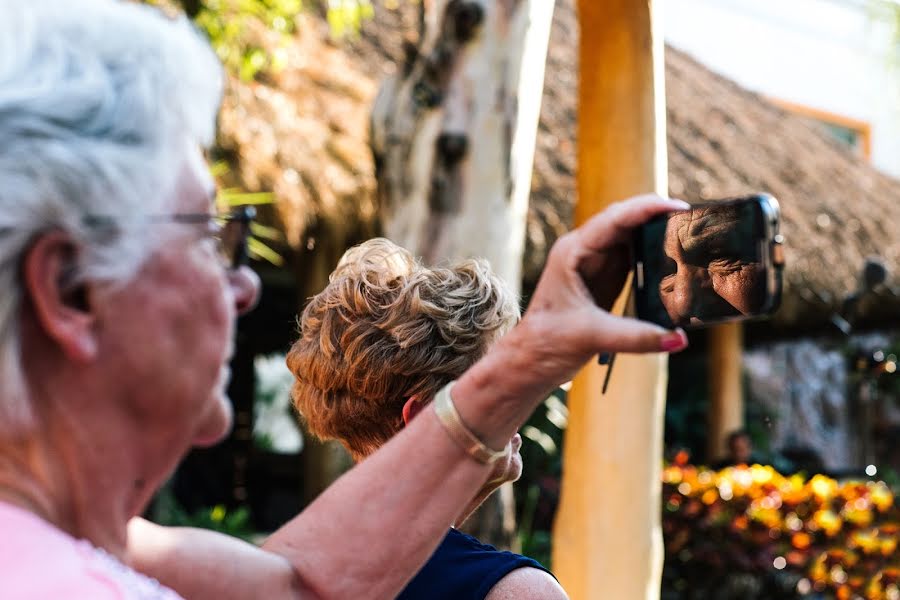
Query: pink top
[{"x": 40, "y": 562}]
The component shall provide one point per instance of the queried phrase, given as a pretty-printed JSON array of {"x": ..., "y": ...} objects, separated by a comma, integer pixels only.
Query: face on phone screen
[{"x": 703, "y": 265}]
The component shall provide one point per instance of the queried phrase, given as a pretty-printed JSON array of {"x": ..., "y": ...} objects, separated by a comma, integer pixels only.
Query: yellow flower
[
  {"x": 828, "y": 522},
  {"x": 859, "y": 517},
  {"x": 218, "y": 513},
  {"x": 672, "y": 475},
  {"x": 881, "y": 496},
  {"x": 824, "y": 488},
  {"x": 867, "y": 541},
  {"x": 762, "y": 475}
]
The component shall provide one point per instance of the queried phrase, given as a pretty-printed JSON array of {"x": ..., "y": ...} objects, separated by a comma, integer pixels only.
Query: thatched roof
[
  {"x": 302, "y": 133},
  {"x": 723, "y": 140}
]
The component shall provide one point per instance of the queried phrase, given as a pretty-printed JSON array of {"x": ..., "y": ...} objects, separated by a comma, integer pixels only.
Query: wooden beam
[
  {"x": 726, "y": 392},
  {"x": 607, "y": 538}
]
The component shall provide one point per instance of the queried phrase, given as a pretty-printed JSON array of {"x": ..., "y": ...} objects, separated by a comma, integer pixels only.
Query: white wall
[{"x": 831, "y": 55}]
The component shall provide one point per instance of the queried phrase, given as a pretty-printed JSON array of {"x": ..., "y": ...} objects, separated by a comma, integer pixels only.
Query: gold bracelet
[{"x": 449, "y": 417}]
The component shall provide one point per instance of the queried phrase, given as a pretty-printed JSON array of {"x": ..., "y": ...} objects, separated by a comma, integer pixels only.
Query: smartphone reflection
[{"x": 711, "y": 268}]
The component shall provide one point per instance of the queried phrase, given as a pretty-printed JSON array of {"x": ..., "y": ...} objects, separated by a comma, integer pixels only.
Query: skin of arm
[
  {"x": 347, "y": 543},
  {"x": 527, "y": 583},
  {"x": 343, "y": 545}
]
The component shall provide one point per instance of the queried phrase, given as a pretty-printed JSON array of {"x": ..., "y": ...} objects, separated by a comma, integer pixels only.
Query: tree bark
[{"x": 453, "y": 135}]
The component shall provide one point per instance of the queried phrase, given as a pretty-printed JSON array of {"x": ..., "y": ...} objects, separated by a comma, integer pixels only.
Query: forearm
[
  {"x": 369, "y": 533},
  {"x": 200, "y": 564},
  {"x": 498, "y": 394}
]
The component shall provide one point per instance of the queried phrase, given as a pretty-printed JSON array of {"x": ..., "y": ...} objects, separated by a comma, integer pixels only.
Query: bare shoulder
[{"x": 527, "y": 583}]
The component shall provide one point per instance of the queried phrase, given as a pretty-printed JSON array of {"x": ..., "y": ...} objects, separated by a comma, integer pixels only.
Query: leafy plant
[
  {"x": 237, "y": 28},
  {"x": 537, "y": 492},
  {"x": 227, "y": 198},
  {"x": 234, "y": 28},
  {"x": 235, "y": 522}
]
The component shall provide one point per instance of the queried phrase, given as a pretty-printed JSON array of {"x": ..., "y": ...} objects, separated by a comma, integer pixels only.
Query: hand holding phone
[{"x": 720, "y": 261}]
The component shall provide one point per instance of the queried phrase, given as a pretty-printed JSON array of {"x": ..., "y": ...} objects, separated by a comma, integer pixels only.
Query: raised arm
[{"x": 369, "y": 533}]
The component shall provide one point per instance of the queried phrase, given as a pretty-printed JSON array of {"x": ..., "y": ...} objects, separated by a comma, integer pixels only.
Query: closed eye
[{"x": 667, "y": 284}]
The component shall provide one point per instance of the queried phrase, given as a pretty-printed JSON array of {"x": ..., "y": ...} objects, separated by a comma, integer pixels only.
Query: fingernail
[
  {"x": 674, "y": 341},
  {"x": 680, "y": 204}
]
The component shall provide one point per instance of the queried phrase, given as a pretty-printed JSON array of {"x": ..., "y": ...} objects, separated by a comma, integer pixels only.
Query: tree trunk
[{"x": 453, "y": 134}]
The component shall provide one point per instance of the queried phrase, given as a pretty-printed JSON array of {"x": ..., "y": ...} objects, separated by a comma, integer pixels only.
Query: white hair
[{"x": 99, "y": 100}]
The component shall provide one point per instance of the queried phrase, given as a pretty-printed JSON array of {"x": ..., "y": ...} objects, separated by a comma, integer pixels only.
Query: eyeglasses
[{"x": 229, "y": 230}]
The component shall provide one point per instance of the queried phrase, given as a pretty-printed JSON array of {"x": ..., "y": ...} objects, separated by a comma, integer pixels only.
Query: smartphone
[{"x": 720, "y": 261}]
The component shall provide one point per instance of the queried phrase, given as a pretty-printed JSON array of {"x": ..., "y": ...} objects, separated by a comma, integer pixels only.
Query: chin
[{"x": 216, "y": 423}]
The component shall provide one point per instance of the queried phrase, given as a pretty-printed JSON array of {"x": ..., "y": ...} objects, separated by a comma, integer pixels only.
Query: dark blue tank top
[{"x": 462, "y": 568}]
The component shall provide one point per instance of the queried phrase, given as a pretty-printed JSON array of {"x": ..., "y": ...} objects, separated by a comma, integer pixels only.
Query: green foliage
[
  {"x": 236, "y": 522},
  {"x": 537, "y": 491},
  {"x": 345, "y": 17},
  {"x": 232, "y": 197},
  {"x": 235, "y": 30},
  {"x": 251, "y": 36}
]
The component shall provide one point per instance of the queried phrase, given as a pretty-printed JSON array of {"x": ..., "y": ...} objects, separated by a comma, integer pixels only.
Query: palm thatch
[
  {"x": 302, "y": 133},
  {"x": 723, "y": 140}
]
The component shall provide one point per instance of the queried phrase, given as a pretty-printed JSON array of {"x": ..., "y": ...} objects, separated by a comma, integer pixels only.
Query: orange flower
[
  {"x": 709, "y": 497},
  {"x": 801, "y": 541}
]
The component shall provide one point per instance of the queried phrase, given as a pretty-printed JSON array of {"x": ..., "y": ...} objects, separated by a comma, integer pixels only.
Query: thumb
[{"x": 614, "y": 333}]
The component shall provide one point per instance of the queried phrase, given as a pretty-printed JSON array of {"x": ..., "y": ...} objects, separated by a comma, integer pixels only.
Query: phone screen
[{"x": 703, "y": 266}]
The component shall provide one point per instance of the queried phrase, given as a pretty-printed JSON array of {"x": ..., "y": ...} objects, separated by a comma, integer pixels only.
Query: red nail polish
[{"x": 675, "y": 341}]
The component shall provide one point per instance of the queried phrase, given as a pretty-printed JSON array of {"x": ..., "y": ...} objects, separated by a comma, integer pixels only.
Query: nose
[
  {"x": 682, "y": 299},
  {"x": 245, "y": 285}
]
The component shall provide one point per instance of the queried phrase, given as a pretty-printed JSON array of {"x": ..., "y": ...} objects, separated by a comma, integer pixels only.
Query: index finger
[{"x": 614, "y": 225}]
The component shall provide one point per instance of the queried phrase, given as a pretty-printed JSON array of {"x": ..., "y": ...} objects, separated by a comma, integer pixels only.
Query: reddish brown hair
[{"x": 387, "y": 328}]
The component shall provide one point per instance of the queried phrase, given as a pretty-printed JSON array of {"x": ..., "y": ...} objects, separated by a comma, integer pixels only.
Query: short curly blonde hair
[{"x": 387, "y": 328}]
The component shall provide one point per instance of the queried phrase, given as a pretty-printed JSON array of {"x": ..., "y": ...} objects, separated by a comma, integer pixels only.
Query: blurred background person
[{"x": 740, "y": 451}]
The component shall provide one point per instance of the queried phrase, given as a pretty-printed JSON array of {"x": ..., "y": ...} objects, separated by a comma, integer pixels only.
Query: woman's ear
[
  {"x": 412, "y": 407},
  {"x": 61, "y": 306}
]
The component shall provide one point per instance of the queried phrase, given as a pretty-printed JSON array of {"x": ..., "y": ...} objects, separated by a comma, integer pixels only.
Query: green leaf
[
  {"x": 259, "y": 250},
  {"x": 264, "y": 232}
]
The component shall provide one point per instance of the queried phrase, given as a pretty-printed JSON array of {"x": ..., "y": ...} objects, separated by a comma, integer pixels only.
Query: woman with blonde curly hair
[{"x": 376, "y": 346}]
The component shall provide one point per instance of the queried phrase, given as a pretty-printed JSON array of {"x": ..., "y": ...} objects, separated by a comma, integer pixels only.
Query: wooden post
[
  {"x": 726, "y": 397},
  {"x": 607, "y": 537}
]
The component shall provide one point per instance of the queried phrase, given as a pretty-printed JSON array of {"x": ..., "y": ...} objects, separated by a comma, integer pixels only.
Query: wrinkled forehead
[{"x": 702, "y": 224}]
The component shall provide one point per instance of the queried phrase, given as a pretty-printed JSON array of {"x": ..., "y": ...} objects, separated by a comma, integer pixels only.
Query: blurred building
[{"x": 832, "y": 60}]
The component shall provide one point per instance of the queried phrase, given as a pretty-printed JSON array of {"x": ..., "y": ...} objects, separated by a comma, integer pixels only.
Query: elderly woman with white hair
[{"x": 121, "y": 286}]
